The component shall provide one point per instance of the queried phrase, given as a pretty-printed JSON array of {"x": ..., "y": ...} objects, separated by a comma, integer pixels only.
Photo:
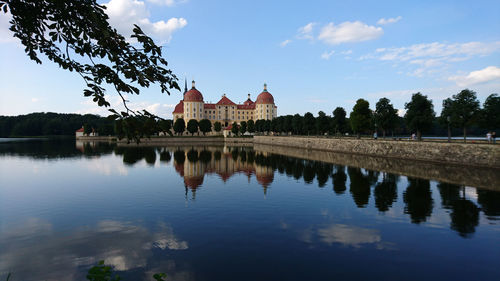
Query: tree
[
  {"x": 267, "y": 125},
  {"x": 250, "y": 126},
  {"x": 217, "y": 126},
  {"x": 419, "y": 114},
  {"x": 205, "y": 126},
  {"x": 243, "y": 127},
  {"x": 322, "y": 123},
  {"x": 297, "y": 124},
  {"x": 309, "y": 123},
  {"x": 360, "y": 117},
  {"x": 165, "y": 126},
  {"x": 179, "y": 126},
  {"x": 339, "y": 122},
  {"x": 192, "y": 126},
  {"x": 463, "y": 110},
  {"x": 234, "y": 128},
  {"x": 76, "y": 36},
  {"x": 490, "y": 115},
  {"x": 385, "y": 116},
  {"x": 87, "y": 129}
]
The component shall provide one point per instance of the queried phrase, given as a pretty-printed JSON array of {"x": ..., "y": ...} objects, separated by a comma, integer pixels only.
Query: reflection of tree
[
  {"x": 418, "y": 200},
  {"x": 217, "y": 155},
  {"x": 386, "y": 192},
  {"x": 251, "y": 156},
  {"x": 323, "y": 172},
  {"x": 165, "y": 156},
  {"x": 490, "y": 203},
  {"x": 243, "y": 156},
  {"x": 360, "y": 185},
  {"x": 339, "y": 179},
  {"x": 449, "y": 194},
  {"x": 465, "y": 217},
  {"x": 192, "y": 156},
  {"x": 205, "y": 156},
  {"x": 298, "y": 169},
  {"x": 150, "y": 156},
  {"x": 309, "y": 173},
  {"x": 179, "y": 157},
  {"x": 465, "y": 214},
  {"x": 132, "y": 155}
]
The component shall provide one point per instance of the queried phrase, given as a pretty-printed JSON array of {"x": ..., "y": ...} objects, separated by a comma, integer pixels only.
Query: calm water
[{"x": 233, "y": 213}]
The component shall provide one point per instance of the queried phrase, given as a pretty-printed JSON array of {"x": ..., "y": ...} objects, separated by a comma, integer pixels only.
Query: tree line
[
  {"x": 53, "y": 124},
  {"x": 461, "y": 112}
]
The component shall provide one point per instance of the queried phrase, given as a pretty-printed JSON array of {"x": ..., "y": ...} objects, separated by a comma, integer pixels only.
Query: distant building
[
  {"x": 79, "y": 132},
  {"x": 225, "y": 111}
]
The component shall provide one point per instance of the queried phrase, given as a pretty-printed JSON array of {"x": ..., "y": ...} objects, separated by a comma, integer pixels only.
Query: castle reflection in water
[{"x": 194, "y": 163}]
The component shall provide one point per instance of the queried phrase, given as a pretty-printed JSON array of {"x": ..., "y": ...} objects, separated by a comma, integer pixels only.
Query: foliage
[
  {"x": 462, "y": 108},
  {"x": 52, "y": 124},
  {"x": 217, "y": 126},
  {"x": 297, "y": 124},
  {"x": 339, "y": 122},
  {"x": 101, "y": 272},
  {"x": 179, "y": 126},
  {"x": 243, "y": 127},
  {"x": 309, "y": 123},
  {"x": 322, "y": 123},
  {"x": 234, "y": 128},
  {"x": 490, "y": 115},
  {"x": 251, "y": 126},
  {"x": 385, "y": 116},
  {"x": 419, "y": 114},
  {"x": 360, "y": 117},
  {"x": 205, "y": 126},
  {"x": 192, "y": 126},
  {"x": 76, "y": 36},
  {"x": 165, "y": 126}
]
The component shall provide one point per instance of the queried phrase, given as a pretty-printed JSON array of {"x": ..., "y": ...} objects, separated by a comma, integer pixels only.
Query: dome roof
[
  {"x": 179, "y": 108},
  {"x": 193, "y": 95},
  {"x": 265, "y": 97}
]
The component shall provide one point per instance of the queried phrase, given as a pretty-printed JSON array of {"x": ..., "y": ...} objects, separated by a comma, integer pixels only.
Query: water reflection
[
  {"x": 35, "y": 248},
  {"x": 418, "y": 200}
]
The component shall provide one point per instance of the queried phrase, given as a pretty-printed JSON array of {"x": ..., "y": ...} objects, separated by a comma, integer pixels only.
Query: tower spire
[{"x": 185, "y": 85}]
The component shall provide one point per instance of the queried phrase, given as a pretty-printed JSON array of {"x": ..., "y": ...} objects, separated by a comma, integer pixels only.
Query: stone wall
[
  {"x": 480, "y": 155},
  {"x": 455, "y": 174}
]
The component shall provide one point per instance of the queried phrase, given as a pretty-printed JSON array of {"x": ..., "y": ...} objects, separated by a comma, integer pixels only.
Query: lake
[{"x": 233, "y": 213}]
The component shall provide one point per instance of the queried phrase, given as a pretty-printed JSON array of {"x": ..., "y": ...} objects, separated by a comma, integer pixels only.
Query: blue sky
[{"x": 314, "y": 55}]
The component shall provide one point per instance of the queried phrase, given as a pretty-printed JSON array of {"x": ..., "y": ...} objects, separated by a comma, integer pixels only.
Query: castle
[{"x": 224, "y": 111}]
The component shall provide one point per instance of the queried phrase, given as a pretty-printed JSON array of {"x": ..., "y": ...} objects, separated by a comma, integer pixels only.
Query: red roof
[
  {"x": 225, "y": 101},
  {"x": 248, "y": 101},
  {"x": 80, "y": 130},
  {"x": 265, "y": 97},
  {"x": 179, "y": 108},
  {"x": 245, "y": 106},
  {"x": 209, "y": 105},
  {"x": 193, "y": 95}
]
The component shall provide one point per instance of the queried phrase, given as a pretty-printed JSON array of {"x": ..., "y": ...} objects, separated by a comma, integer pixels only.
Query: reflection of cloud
[
  {"x": 100, "y": 166},
  {"x": 348, "y": 235},
  {"x": 35, "y": 249}
]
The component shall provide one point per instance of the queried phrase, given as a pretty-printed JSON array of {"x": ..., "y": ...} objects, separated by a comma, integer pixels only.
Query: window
[
  {"x": 187, "y": 115},
  {"x": 194, "y": 115}
]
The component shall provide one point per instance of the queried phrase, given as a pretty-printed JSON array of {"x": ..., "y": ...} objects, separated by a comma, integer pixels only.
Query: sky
[{"x": 313, "y": 55}]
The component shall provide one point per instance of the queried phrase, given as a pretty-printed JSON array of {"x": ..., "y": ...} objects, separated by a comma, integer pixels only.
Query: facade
[{"x": 224, "y": 111}]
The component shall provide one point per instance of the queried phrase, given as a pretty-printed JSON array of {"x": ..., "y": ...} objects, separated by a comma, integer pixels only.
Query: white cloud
[
  {"x": 327, "y": 55},
  {"x": 305, "y": 32},
  {"x": 349, "y": 32},
  {"x": 286, "y": 42},
  {"x": 168, "y": 3},
  {"x": 35, "y": 99},
  {"x": 452, "y": 52},
  {"x": 432, "y": 58},
  {"x": 123, "y": 14},
  {"x": 487, "y": 74},
  {"x": 384, "y": 21},
  {"x": 348, "y": 52}
]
